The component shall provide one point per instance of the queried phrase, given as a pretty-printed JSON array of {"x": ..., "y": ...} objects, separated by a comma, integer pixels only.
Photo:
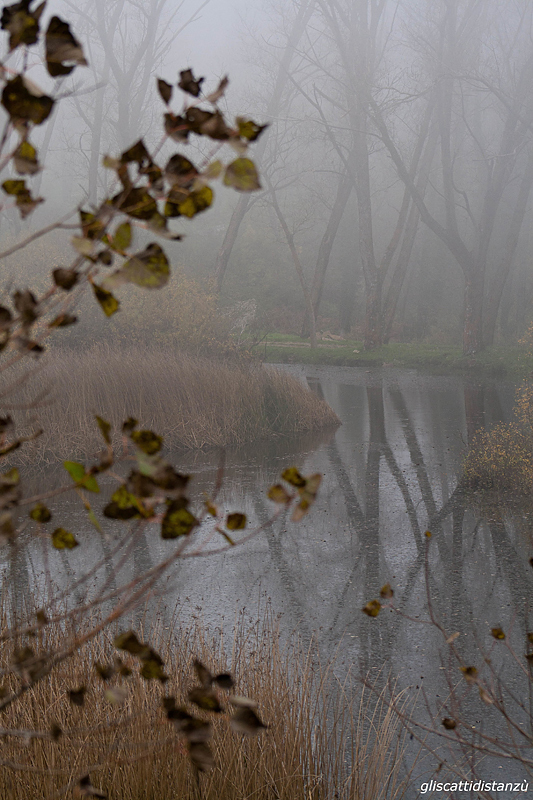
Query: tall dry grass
[
  {"x": 325, "y": 739},
  {"x": 192, "y": 402}
]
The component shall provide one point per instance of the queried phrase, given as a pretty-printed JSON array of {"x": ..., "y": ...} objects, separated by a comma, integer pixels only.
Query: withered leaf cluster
[
  {"x": 151, "y": 662},
  {"x": 149, "y": 195},
  {"x": 306, "y": 491},
  {"x": 197, "y": 731}
]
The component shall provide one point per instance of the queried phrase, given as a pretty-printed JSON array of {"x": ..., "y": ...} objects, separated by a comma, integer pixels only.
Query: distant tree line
[{"x": 395, "y": 122}]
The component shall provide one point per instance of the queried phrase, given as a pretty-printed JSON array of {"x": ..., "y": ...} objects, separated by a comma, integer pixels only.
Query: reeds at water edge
[{"x": 191, "y": 402}]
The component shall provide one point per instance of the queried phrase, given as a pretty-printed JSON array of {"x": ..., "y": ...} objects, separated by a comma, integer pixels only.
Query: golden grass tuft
[
  {"x": 325, "y": 739},
  {"x": 192, "y": 402},
  {"x": 501, "y": 460}
]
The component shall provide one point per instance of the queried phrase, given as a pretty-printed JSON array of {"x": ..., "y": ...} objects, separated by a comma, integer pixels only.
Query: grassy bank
[
  {"x": 505, "y": 362},
  {"x": 324, "y": 739},
  {"x": 192, "y": 403}
]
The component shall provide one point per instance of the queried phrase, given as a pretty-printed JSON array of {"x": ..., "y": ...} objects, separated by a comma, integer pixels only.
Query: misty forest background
[{"x": 396, "y": 172}]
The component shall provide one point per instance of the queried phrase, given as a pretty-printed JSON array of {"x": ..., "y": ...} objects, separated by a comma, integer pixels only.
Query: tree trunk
[
  {"x": 399, "y": 274},
  {"x": 373, "y": 333},
  {"x": 272, "y": 111},
  {"x": 297, "y": 264},
  {"x": 344, "y": 190},
  {"x": 500, "y": 278},
  {"x": 428, "y": 139},
  {"x": 232, "y": 231},
  {"x": 473, "y": 312},
  {"x": 371, "y": 273}
]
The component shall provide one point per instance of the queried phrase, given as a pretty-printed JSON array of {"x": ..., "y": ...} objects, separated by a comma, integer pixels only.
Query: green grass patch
[{"x": 505, "y": 362}]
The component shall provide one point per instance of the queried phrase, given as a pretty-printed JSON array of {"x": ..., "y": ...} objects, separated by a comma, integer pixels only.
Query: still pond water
[{"x": 390, "y": 473}]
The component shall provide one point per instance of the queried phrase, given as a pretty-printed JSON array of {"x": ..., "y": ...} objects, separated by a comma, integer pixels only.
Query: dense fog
[{"x": 396, "y": 171}]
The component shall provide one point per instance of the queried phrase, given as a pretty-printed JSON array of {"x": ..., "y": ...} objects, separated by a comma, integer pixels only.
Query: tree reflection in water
[{"x": 391, "y": 471}]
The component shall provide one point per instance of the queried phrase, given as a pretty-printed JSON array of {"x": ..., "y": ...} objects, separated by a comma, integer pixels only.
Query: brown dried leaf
[
  {"x": 236, "y": 521},
  {"x": 180, "y": 172},
  {"x": 24, "y": 102},
  {"x": 62, "y": 46},
  {"x": 25, "y": 159},
  {"x": 188, "y": 83},
  {"x": 215, "y": 96},
  {"x": 105, "y": 671},
  {"x": 105, "y": 428},
  {"x": 86, "y": 789},
  {"x": 128, "y": 641},
  {"x": 224, "y": 680},
  {"x": 165, "y": 90},
  {"x": 293, "y": 476},
  {"x": 470, "y": 674},
  {"x": 449, "y": 723},
  {"x": 242, "y": 175},
  {"x": 65, "y": 278},
  {"x": 40, "y": 513},
  {"x": 248, "y": 129},
  {"x": 64, "y": 540},
  {"x": 201, "y": 756},
  {"x": 77, "y": 696},
  {"x": 246, "y": 721},
  {"x": 202, "y": 673},
  {"x": 22, "y": 24},
  {"x": 205, "y": 698},
  {"x": 24, "y": 200},
  {"x": 176, "y": 127},
  {"x": 55, "y": 731},
  {"x": 278, "y": 494}
]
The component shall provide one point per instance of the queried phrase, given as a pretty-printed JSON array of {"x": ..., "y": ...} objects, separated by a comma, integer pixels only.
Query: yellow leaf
[
  {"x": 278, "y": 494},
  {"x": 242, "y": 175},
  {"x": 372, "y": 608}
]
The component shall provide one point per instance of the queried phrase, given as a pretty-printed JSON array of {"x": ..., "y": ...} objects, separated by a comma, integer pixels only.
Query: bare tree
[
  {"x": 271, "y": 112},
  {"x": 484, "y": 112},
  {"x": 127, "y": 43},
  {"x": 290, "y": 239},
  {"x": 356, "y": 38}
]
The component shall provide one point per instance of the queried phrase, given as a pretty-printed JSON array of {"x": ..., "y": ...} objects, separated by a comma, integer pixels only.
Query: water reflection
[{"x": 391, "y": 472}]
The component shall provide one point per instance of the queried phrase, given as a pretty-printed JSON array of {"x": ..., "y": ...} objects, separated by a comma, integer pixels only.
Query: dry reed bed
[
  {"x": 323, "y": 741},
  {"x": 192, "y": 402}
]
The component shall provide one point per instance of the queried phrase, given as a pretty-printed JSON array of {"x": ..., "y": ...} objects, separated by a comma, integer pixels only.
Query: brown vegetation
[
  {"x": 501, "y": 460},
  {"x": 323, "y": 740},
  {"x": 192, "y": 402}
]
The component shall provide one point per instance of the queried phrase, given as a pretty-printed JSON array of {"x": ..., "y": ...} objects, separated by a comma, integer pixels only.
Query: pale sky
[{"x": 211, "y": 44}]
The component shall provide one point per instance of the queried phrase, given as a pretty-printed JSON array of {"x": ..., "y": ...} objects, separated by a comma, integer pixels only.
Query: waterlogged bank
[{"x": 194, "y": 403}]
